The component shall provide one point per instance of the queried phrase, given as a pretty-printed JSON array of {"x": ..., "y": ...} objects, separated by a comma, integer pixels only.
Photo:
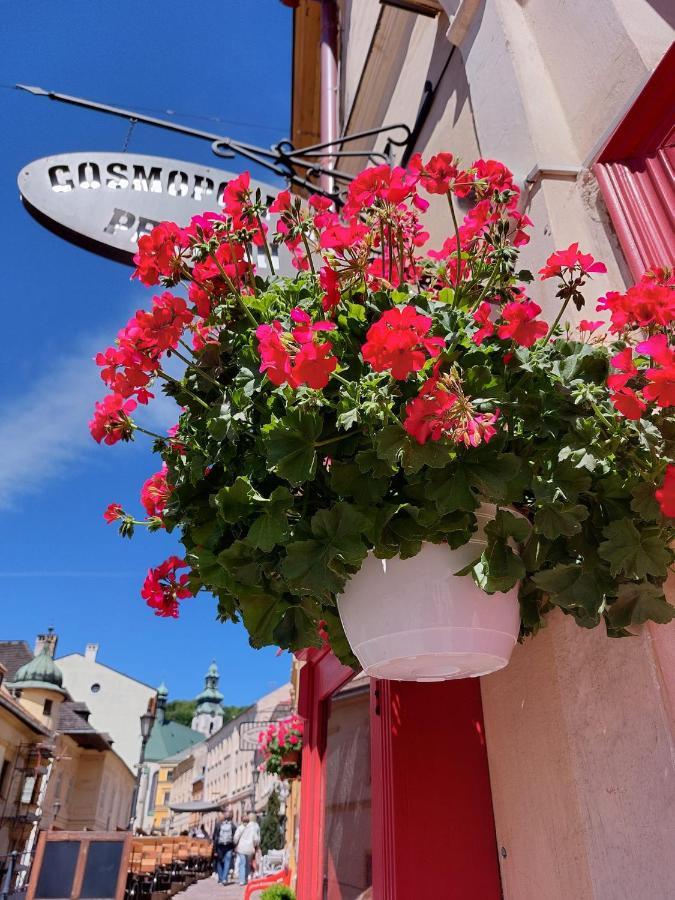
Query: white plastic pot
[{"x": 414, "y": 620}]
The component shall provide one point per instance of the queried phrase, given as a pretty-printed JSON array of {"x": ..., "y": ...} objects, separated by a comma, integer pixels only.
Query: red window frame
[{"x": 636, "y": 173}]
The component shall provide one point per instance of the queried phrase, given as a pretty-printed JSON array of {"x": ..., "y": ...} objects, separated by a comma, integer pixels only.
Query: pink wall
[{"x": 581, "y": 749}]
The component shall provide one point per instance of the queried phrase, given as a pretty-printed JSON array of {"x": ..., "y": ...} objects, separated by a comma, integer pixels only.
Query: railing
[{"x": 12, "y": 868}]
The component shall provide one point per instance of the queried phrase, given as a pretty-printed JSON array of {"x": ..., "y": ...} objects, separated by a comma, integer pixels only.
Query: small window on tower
[
  {"x": 47, "y": 708},
  {"x": 95, "y": 688}
]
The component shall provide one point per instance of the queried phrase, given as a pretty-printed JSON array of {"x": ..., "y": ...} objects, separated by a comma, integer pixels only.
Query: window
[
  {"x": 95, "y": 688},
  {"x": 28, "y": 789},
  {"x": 167, "y": 797},
  {"x": 47, "y": 707},
  {"x": 4, "y": 771},
  {"x": 153, "y": 792}
]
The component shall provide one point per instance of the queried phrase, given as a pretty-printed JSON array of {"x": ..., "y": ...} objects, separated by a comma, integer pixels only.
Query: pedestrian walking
[
  {"x": 223, "y": 845},
  {"x": 247, "y": 841}
]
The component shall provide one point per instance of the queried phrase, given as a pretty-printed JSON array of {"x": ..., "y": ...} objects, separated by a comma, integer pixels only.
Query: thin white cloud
[{"x": 45, "y": 429}]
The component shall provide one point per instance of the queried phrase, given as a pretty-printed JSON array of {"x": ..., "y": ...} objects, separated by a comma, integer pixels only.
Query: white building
[
  {"x": 227, "y": 773},
  {"x": 116, "y": 701}
]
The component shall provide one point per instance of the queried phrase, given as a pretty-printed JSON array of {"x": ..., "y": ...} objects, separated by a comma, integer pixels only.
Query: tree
[
  {"x": 271, "y": 837},
  {"x": 182, "y": 711}
]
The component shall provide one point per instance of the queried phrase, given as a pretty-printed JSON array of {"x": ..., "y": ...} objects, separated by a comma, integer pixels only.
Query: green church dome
[
  {"x": 210, "y": 699},
  {"x": 40, "y": 672}
]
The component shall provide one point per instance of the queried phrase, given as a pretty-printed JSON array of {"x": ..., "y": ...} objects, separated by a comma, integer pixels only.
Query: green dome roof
[
  {"x": 162, "y": 690},
  {"x": 210, "y": 698},
  {"x": 41, "y": 671}
]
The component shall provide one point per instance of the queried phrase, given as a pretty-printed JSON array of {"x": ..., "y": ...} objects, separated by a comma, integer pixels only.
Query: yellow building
[
  {"x": 83, "y": 783},
  {"x": 25, "y": 756},
  {"x": 160, "y": 812}
]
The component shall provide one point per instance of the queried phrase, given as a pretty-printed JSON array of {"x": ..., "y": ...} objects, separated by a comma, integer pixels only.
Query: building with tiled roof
[{"x": 57, "y": 770}]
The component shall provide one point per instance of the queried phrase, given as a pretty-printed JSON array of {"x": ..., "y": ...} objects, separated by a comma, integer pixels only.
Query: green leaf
[
  {"x": 396, "y": 447},
  {"x": 338, "y": 640},
  {"x": 506, "y": 525},
  {"x": 558, "y": 519},
  {"x": 267, "y": 531},
  {"x": 340, "y": 528},
  {"x": 634, "y": 553},
  {"x": 639, "y": 603},
  {"x": 261, "y": 615},
  {"x": 271, "y": 528},
  {"x": 297, "y": 629},
  {"x": 498, "y": 570},
  {"x": 236, "y": 502},
  {"x": 289, "y": 445},
  {"x": 571, "y": 587},
  {"x": 241, "y": 561},
  {"x": 347, "y": 480},
  {"x": 491, "y": 472},
  {"x": 644, "y": 503},
  {"x": 451, "y": 490},
  {"x": 306, "y": 568}
]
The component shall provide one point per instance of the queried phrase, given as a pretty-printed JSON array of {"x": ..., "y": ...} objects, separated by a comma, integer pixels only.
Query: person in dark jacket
[{"x": 223, "y": 845}]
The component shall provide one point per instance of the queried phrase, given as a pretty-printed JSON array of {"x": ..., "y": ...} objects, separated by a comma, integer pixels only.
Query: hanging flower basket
[
  {"x": 417, "y": 620},
  {"x": 281, "y": 747},
  {"x": 342, "y": 433}
]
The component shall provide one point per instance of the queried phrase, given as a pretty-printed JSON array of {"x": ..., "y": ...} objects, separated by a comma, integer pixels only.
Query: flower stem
[
  {"x": 556, "y": 320},
  {"x": 488, "y": 284},
  {"x": 268, "y": 252},
  {"x": 333, "y": 440},
  {"x": 180, "y": 384},
  {"x": 197, "y": 370},
  {"x": 341, "y": 379},
  {"x": 240, "y": 300},
  {"x": 157, "y": 437},
  {"x": 455, "y": 225},
  {"x": 308, "y": 252}
]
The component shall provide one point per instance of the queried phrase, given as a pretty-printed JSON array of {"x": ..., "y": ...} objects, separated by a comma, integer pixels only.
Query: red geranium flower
[
  {"x": 160, "y": 253},
  {"x": 482, "y": 317},
  {"x": 113, "y": 513},
  {"x": 162, "y": 588},
  {"x": 520, "y": 322},
  {"x": 398, "y": 342},
  {"x": 111, "y": 422},
  {"x": 155, "y": 493},
  {"x": 568, "y": 260},
  {"x": 665, "y": 495}
]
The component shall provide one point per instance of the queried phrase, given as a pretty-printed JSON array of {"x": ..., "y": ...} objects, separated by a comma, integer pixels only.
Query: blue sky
[{"x": 60, "y": 564}]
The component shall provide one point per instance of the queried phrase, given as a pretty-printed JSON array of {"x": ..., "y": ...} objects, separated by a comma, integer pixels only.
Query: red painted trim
[
  {"x": 636, "y": 173},
  {"x": 320, "y": 677},
  {"x": 433, "y": 825},
  {"x": 649, "y": 119}
]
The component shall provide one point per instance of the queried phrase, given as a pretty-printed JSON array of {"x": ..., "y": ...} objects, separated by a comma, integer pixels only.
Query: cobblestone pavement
[{"x": 209, "y": 889}]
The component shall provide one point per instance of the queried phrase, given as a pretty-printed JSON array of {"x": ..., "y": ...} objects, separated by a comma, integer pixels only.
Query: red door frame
[
  {"x": 635, "y": 173},
  {"x": 320, "y": 677},
  {"x": 432, "y": 822}
]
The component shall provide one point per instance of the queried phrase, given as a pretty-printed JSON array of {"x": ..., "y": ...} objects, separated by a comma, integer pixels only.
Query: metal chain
[{"x": 132, "y": 125}]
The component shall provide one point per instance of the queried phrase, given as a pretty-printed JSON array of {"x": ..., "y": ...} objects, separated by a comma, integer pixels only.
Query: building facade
[
  {"x": 223, "y": 771},
  {"x": 167, "y": 739},
  {"x": 57, "y": 771},
  {"x": 26, "y": 752},
  {"x": 116, "y": 700},
  {"x": 553, "y": 778}
]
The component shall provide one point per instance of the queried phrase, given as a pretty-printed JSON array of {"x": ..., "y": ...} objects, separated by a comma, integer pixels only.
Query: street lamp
[{"x": 147, "y": 722}]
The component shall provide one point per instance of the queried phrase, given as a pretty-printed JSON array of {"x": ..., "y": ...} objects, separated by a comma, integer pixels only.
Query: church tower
[{"x": 208, "y": 717}]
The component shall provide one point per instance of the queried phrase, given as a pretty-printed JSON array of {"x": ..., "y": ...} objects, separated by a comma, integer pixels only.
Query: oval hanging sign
[{"x": 106, "y": 201}]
